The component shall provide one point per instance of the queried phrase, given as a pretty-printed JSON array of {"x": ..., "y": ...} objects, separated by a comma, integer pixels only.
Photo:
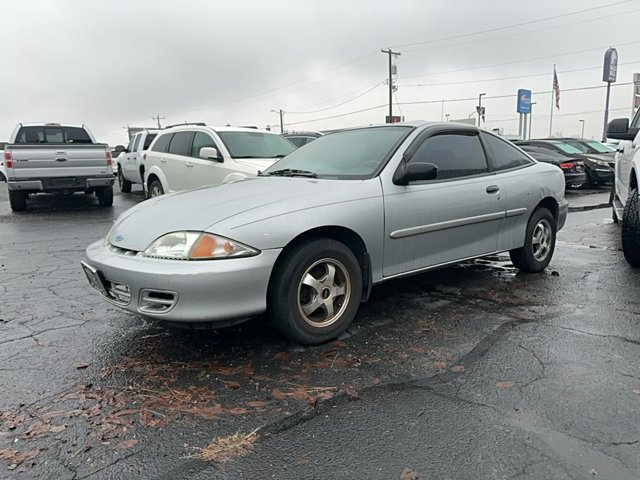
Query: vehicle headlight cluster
[
  {"x": 599, "y": 162},
  {"x": 197, "y": 246}
]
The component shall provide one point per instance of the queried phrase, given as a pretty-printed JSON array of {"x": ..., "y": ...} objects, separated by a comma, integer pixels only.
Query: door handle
[
  {"x": 493, "y": 189},
  {"x": 189, "y": 164},
  {"x": 163, "y": 161}
]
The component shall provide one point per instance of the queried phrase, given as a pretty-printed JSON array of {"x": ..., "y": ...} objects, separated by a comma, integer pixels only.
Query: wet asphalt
[{"x": 474, "y": 371}]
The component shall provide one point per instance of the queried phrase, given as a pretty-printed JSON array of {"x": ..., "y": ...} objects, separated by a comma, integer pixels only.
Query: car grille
[
  {"x": 123, "y": 251},
  {"x": 156, "y": 301},
  {"x": 119, "y": 292}
]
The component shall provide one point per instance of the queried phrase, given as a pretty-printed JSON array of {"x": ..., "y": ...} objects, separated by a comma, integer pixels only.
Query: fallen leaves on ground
[
  {"x": 16, "y": 458},
  {"x": 224, "y": 449},
  {"x": 309, "y": 395},
  {"x": 504, "y": 384},
  {"x": 457, "y": 368},
  {"x": 636, "y": 391},
  {"x": 409, "y": 474}
]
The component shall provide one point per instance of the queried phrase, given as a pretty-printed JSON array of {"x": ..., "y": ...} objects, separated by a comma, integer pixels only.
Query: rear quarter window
[{"x": 162, "y": 144}]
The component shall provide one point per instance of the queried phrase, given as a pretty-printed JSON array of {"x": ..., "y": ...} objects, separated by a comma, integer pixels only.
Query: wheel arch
[
  {"x": 344, "y": 235},
  {"x": 155, "y": 173},
  {"x": 550, "y": 204},
  {"x": 633, "y": 180}
]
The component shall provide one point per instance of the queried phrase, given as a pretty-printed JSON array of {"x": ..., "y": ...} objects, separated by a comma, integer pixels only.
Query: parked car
[
  {"x": 51, "y": 157},
  {"x": 309, "y": 237},
  {"x": 573, "y": 169},
  {"x": 301, "y": 138},
  {"x": 626, "y": 205},
  {"x": 598, "y": 167},
  {"x": 588, "y": 146},
  {"x": 131, "y": 164},
  {"x": 195, "y": 155}
]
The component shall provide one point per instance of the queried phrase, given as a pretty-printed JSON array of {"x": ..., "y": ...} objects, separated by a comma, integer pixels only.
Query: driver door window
[{"x": 456, "y": 155}]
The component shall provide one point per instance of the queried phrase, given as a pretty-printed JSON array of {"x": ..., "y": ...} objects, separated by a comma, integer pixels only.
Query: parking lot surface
[{"x": 474, "y": 371}]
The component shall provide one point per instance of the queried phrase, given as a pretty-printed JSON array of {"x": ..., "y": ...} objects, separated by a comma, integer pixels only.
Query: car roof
[
  {"x": 177, "y": 128},
  {"x": 50, "y": 124}
]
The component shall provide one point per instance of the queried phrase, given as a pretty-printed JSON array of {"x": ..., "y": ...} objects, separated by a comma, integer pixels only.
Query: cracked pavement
[{"x": 473, "y": 371}]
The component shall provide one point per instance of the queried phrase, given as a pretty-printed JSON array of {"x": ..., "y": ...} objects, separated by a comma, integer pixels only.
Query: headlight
[
  {"x": 197, "y": 246},
  {"x": 600, "y": 162}
]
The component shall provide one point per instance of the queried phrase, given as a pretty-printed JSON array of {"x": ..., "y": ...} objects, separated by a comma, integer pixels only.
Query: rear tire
[
  {"x": 17, "y": 200},
  {"x": 539, "y": 244},
  {"x": 315, "y": 292},
  {"x": 123, "y": 183},
  {"x": 105, "y": 196},
  {"x": 155, "y": 188},
  {"x": 631, "y": 230}
]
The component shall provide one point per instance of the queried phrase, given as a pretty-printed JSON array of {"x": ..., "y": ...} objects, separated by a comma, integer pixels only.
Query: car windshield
[
  {"x": 566, "y": 148},
  {"x": 256, "y": 144},
  {"x": 599, "y": 147},
  {"x": 350, "y": 154}
]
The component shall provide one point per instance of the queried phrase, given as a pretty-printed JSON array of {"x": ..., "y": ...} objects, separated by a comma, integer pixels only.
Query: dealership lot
[{"x": 542, "y": 368}]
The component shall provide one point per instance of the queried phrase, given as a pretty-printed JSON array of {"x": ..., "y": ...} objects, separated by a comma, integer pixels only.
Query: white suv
[{"x": 194, "y": 155}]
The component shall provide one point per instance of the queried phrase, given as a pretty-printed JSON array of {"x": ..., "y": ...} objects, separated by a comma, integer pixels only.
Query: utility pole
[
  {"x": 480, "y": 112},
  {"x": 582, "y": 122},
  {"x": 158, "y": 118},
  {"x": 447, "y": 115},
  {"x": 281, "y": 113},
  {"x": 389, "y": 52}
]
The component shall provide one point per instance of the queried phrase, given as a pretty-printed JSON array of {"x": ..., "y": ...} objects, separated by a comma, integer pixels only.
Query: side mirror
[
  {"x": 415, "y": 172},
  {"x": 619, "y": 129},
  {"x": 210, "y": 153},
  {"x": 118, "y": 149}
]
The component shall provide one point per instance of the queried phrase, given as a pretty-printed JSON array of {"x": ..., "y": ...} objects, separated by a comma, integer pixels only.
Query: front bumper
[
  {"x": 60, "y": 183},
  {"x": 183, "y": 290},
  {"x": 599, "y": 173}
]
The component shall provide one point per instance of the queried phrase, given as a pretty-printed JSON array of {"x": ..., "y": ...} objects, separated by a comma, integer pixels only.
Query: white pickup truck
[
  {"x": 131, "y": 161},
  {"x": 50, "y": 157},
  {"x": 626, "y": 208}
]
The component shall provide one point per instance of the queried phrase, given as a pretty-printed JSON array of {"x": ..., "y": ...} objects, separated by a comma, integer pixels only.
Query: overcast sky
[{"x": 112, "y": 63}]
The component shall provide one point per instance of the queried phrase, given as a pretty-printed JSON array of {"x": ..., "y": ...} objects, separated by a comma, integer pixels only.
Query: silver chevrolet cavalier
[{"x": 308, "y": 238}]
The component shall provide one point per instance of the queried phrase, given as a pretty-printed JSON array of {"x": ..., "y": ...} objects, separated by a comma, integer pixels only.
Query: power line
[
  {"x": 339, "y": 115},
  {"x": 523, "y": 61},
  {"x": 342, "y": 103},
  {"x": 521, "y": 24},
  {"x": 599, "y": 67},
  {"x": 553, "y": 27}
]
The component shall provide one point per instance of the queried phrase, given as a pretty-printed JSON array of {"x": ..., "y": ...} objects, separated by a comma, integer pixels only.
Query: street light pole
[
  {"x": 531, "y": 117},
  {"x": 480, "y": 107},
  {"x": 447, "y": 115},
  {"x": 582, "y": 122},
  {"x": 281, "y": 113}
]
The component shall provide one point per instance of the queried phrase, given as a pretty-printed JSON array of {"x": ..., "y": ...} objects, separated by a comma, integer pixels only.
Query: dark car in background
[
  {"x": 301, "y": 138},
  {"x": 573, "y": 169},
  {"x": 599, "y": 168}
]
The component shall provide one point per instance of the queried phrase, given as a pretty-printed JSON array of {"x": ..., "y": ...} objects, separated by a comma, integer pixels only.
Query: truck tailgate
[{"x": 43, "y": 161}]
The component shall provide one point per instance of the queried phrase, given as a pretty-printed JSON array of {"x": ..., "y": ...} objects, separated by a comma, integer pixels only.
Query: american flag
[{"x": 556, "y": 87}]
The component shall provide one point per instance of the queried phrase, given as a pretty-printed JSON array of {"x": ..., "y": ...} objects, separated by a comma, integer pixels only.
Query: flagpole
[{"x": 552, "y": 92}]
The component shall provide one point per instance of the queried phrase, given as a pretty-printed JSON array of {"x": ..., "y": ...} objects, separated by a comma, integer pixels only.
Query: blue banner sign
[{"x": 524, "y": 101}]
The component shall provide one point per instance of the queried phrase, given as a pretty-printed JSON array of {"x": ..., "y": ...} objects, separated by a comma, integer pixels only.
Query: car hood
[
  {"x": 257, "y": 163},
  {"x": 241, "y": 201},
  {"x": 605, "y": 157}
]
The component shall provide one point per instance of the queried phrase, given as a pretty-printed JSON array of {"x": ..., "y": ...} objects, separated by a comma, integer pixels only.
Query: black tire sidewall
[
  {"x": 283, "y": 292},
  {"x": 153, "y": 182},
  {"x": 123, "y": 183},
  {"x": 631, "y": 229},
  {"x": 523, "y": 258},
  {"x": 17, "y": 201}
]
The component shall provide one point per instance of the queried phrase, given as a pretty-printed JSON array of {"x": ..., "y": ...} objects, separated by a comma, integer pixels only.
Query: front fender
[{"x": 234, "y": 177}]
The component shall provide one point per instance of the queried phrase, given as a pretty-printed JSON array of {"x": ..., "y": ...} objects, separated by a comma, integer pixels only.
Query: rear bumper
[
  {"x": 60, "y": 183},
  {"x": 575, "y": 179}
]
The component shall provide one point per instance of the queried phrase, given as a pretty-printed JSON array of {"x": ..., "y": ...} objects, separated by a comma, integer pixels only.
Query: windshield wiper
[{"x": 290, "y": 172}]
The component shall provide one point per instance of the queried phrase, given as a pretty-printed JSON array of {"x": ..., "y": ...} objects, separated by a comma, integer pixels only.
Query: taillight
[
  {"x": 567, "y": 165},
  {"x": 108, "y": 158},
  {"x": 8, "y": 160}
]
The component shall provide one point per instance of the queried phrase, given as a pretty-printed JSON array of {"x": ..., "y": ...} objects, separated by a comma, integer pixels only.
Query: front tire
[
  {"x": 17, "y": 200},
  {"x": 539, "y": 244},
  {"x": 123, "y": 183},
  {"x": 631, "y": 230},
  {"x": 105, "y": 196},
  {"x": 315, "y": 292}
]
